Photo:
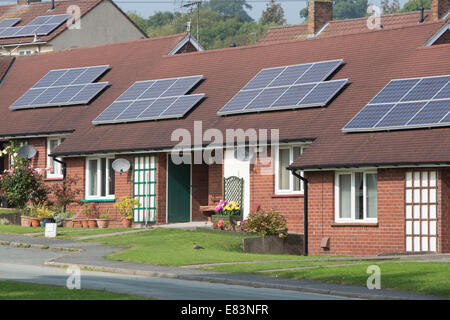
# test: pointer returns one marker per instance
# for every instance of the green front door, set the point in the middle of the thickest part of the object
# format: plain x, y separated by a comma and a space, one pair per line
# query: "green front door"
178, 192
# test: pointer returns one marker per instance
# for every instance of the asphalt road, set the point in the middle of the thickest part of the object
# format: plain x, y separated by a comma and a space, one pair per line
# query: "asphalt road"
25, 265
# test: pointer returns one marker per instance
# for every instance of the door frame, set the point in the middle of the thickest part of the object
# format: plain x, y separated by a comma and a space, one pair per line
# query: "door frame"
167, 188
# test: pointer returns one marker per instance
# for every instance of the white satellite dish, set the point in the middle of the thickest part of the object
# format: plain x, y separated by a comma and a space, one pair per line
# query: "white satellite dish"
121, 165
26, 152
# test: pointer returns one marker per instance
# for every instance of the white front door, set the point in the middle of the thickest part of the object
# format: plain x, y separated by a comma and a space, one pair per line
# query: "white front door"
241, 169
421, 211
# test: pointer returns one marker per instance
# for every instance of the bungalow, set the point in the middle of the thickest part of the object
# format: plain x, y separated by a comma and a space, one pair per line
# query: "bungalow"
372, 189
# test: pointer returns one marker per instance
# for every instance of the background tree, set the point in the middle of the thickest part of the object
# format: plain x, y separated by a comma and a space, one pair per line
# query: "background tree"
414, 5
274, 14
344, 9
230, 8
390, 6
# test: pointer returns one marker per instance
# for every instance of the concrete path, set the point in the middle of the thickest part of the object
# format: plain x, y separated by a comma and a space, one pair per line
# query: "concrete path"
92, 255
186, 225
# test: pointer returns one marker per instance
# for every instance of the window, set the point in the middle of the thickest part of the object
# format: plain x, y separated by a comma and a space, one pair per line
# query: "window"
25, 52
356, 196
100, 179
55, 167
285, 182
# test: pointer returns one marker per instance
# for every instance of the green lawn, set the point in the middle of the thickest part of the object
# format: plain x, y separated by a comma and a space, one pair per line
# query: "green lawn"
12, 290
69, 233
421, 277
5, 210
173, 247
19, 229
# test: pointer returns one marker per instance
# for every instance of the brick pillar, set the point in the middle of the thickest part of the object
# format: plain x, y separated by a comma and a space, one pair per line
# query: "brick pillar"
439, 8
319, 13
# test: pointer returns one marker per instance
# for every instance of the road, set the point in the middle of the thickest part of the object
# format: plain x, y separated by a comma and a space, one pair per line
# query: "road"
26, 265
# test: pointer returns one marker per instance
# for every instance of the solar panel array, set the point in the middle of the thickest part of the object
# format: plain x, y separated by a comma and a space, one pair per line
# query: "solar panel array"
405, 104
63, 87
40, 26
288, 87
153, 100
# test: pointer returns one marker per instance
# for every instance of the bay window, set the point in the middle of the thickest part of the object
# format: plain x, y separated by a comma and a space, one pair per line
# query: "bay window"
100, 178
285, 182
356, 196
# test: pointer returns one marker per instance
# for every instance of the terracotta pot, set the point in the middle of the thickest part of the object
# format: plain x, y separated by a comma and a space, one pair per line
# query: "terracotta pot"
76, 223
92, 223
68, 223
35, 222
85, 223
25, 221
127, 222
103, 223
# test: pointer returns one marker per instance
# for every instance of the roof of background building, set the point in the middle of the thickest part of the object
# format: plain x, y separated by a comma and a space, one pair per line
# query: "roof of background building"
371, 60
5, 63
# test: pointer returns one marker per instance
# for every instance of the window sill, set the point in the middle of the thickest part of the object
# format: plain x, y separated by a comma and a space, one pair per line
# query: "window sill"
355, 224
294, 195
54, 179
98, 200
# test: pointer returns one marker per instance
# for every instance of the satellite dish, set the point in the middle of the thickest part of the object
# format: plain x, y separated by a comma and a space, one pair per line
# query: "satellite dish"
121, 165
27, 152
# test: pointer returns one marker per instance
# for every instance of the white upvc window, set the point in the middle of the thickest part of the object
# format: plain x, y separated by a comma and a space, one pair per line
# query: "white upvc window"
285, 181
356, 196
54, 166
100, 179
25, 52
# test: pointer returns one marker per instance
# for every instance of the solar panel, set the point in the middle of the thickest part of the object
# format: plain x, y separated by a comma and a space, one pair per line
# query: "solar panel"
9, 22
153, 100
41, 26
288, 87
406, 104
63, 87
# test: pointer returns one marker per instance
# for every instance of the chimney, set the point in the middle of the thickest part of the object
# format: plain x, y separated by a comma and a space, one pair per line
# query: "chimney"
439, 8
26, 2
319, 13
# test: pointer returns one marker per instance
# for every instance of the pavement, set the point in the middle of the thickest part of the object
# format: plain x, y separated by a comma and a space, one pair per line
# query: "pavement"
92, 255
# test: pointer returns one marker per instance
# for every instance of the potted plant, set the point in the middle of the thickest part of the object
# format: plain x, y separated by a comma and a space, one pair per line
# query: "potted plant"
66, 219
126, 206
87, 207
45, 214
92, 215
25, 219
227, 211
76, 222
35, 221
103, 221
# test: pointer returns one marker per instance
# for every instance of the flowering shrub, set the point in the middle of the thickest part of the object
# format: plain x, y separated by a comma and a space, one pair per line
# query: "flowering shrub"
228, 208
230, 226
266, 223
126, 206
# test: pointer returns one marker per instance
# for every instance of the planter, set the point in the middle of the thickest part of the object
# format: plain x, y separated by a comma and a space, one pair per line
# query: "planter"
292, 244
68, 223
77, 223
47, 220
85, 223
35, 222
25, 221
226, 218
92, 223
127, 222
103, 223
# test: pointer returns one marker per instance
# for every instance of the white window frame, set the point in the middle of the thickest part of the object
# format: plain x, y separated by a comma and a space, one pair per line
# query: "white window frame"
25, 52
57, 166
292, 178
352, 218
99, 179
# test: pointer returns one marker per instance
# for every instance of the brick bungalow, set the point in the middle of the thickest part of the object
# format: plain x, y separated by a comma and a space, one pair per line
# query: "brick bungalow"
395, 165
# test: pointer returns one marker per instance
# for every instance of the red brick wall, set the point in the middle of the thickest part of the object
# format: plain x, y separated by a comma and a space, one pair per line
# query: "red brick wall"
444, 210
439, 8
319, 12
161, 187
445, 38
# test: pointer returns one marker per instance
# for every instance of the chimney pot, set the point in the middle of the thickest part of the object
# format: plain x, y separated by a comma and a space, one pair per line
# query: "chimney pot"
319, 13
439, 8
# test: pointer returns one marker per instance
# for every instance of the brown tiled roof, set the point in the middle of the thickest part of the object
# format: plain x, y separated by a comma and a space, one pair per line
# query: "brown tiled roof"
28, 13
347, 26
371, 60
5, 63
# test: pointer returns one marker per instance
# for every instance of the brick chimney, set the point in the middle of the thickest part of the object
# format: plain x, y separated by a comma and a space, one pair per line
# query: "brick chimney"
26, 2
439, 8
319, 13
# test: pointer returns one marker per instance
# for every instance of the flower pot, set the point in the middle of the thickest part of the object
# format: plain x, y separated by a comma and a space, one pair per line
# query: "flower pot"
103, 223
35, 222
68, 223
85, 223
25, 221
77, 223
127, 222
226, 218
92, 223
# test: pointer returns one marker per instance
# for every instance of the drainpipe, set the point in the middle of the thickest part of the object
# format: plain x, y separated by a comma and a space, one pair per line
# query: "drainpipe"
64, 167
305, 211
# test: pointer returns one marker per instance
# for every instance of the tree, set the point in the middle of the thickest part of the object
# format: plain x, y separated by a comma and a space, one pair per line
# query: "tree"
230, 8
414, 5
344, 9
138, 20
274, 14
390, 6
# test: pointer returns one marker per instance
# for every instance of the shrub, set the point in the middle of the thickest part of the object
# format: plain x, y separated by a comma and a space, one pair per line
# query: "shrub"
65, 193
266, 223
126, 206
